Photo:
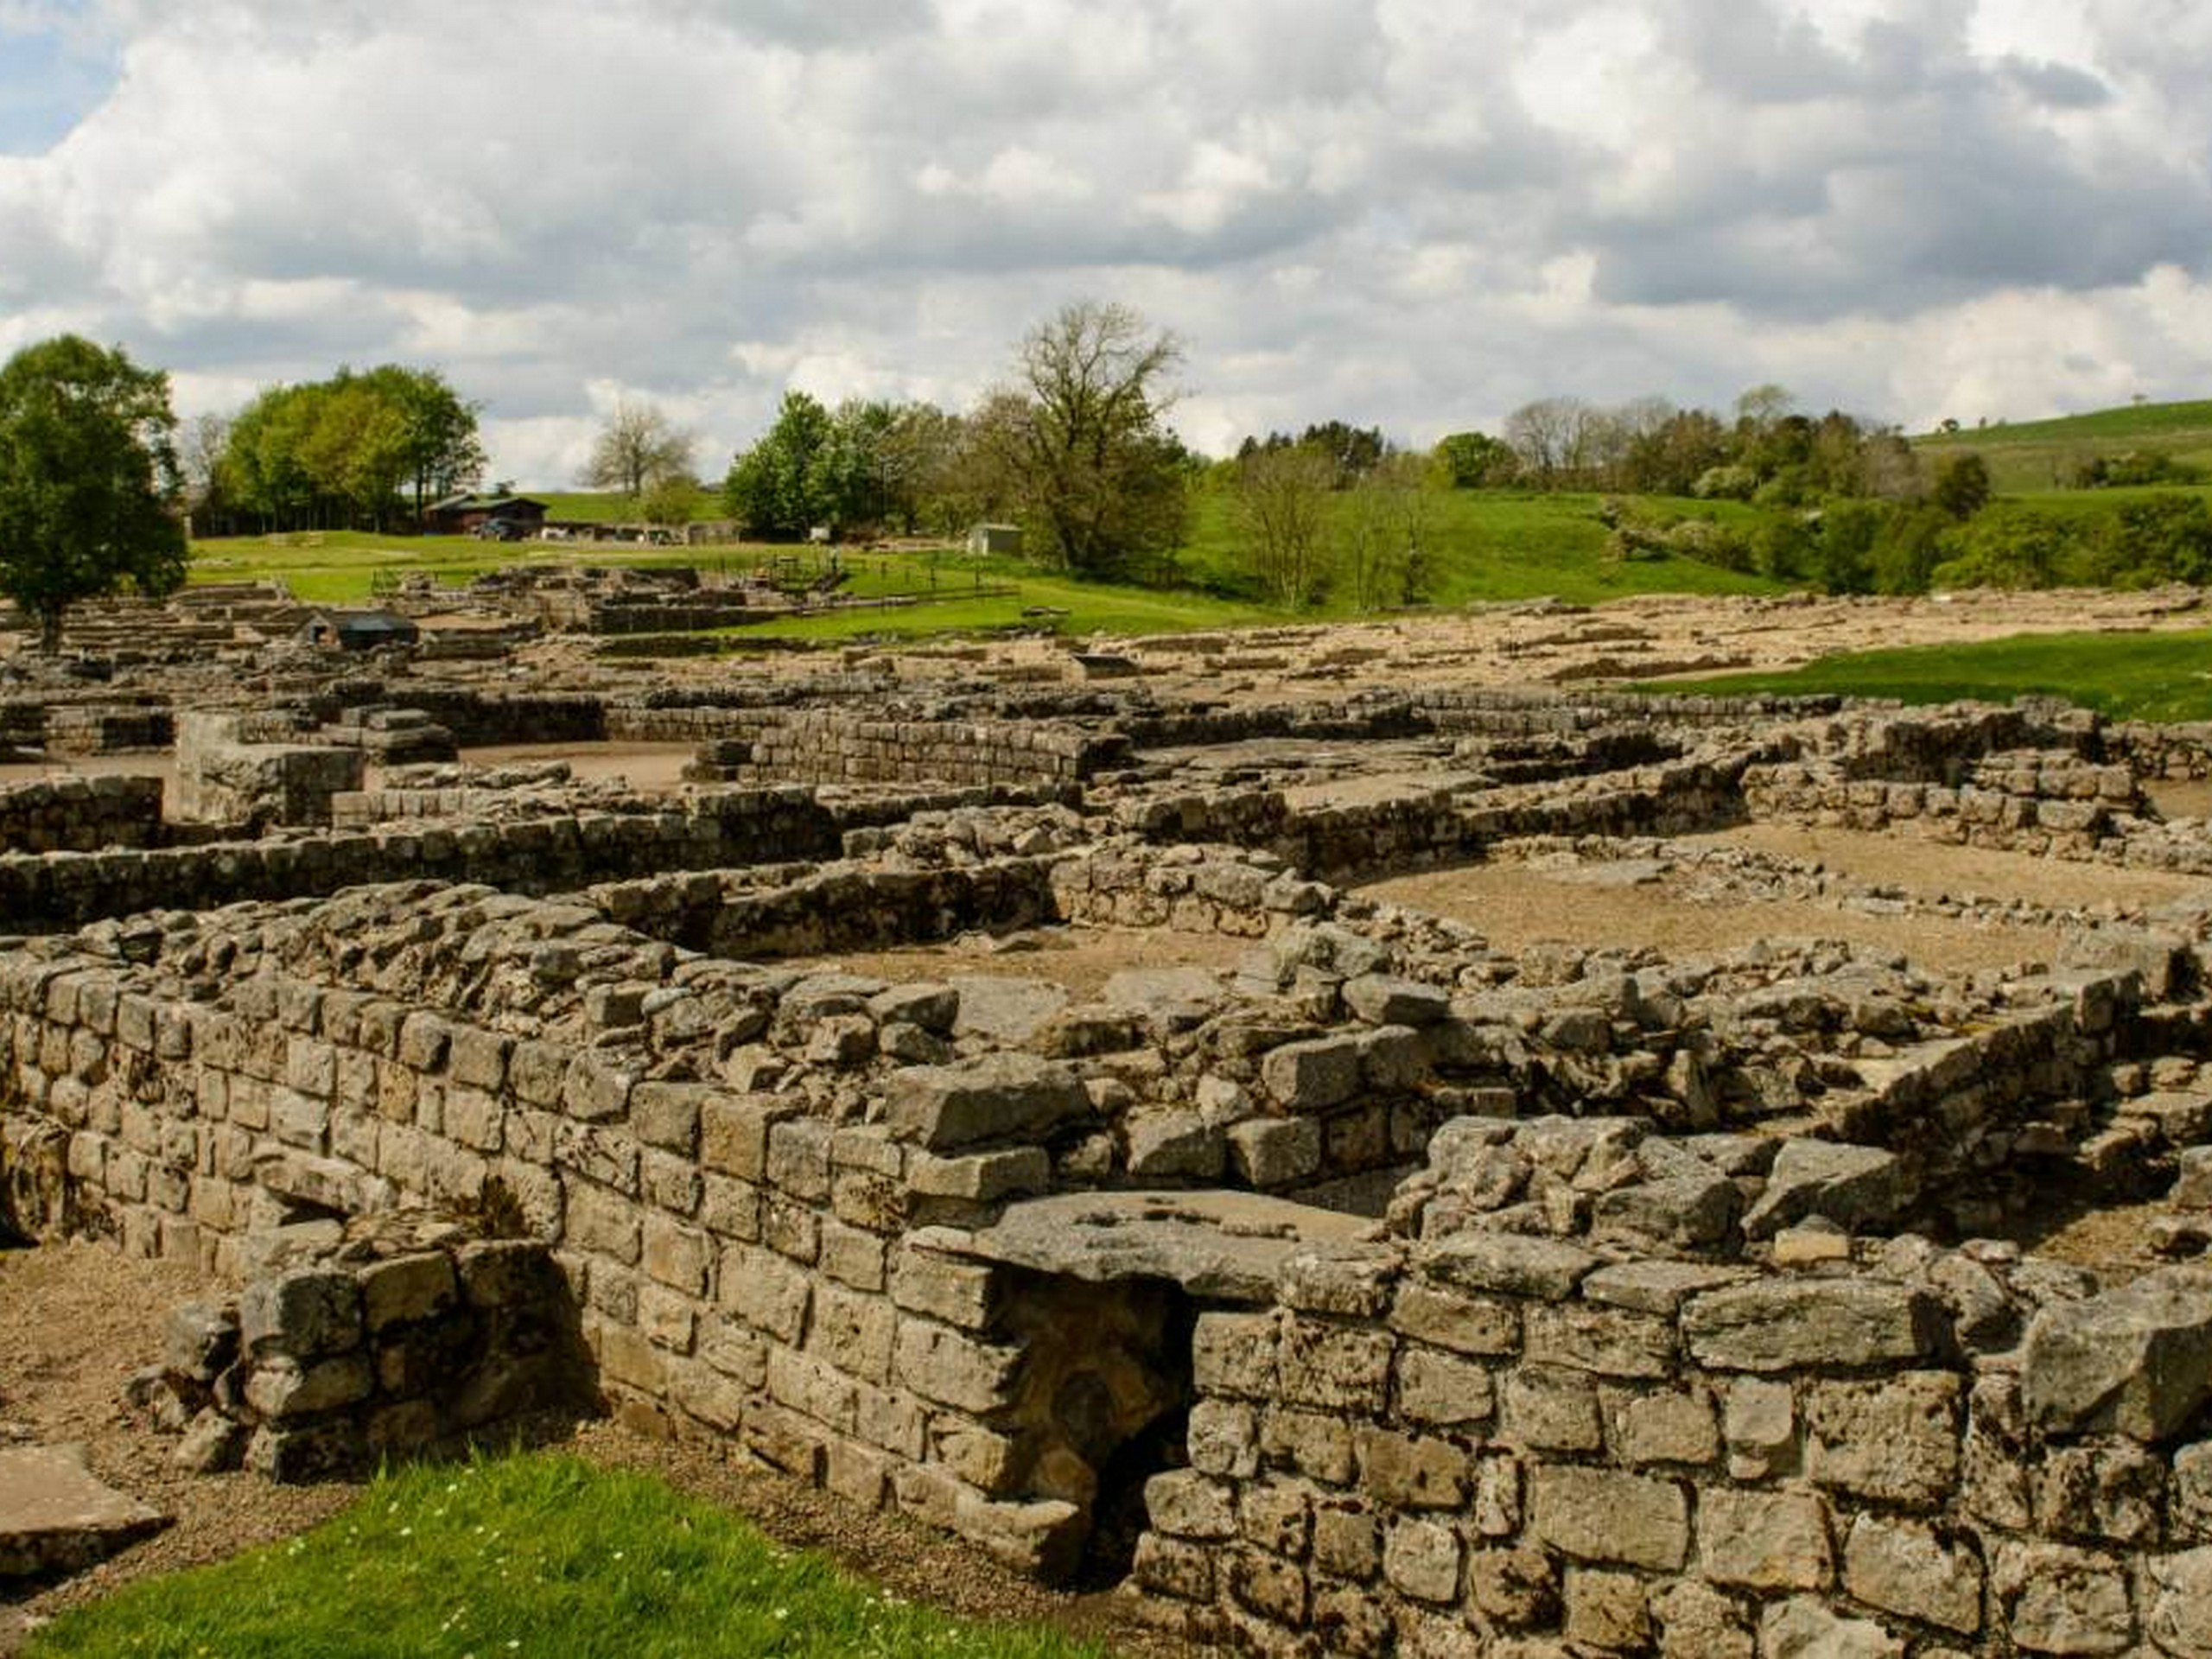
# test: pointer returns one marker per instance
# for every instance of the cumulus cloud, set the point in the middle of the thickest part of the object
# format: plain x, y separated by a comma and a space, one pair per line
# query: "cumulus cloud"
1413, 212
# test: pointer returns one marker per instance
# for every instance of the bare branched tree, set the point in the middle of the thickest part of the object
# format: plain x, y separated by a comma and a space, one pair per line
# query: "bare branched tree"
639, 446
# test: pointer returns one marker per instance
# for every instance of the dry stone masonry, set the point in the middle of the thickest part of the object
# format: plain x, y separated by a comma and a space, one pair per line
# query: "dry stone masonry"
998, 1100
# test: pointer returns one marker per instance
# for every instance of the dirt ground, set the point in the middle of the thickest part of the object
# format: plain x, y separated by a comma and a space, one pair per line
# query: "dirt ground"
1080, 960
1517, 904
80, 1318
650, 768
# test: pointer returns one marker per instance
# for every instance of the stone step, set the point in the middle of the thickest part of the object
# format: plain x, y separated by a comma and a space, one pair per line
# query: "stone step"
57, 1516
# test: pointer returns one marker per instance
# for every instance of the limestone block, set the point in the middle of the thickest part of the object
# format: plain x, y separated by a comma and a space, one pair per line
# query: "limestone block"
1782, 1325
1442, 1389
1598, 1514
2058, 1600
2179, 1616
1411, 1471
1763, 1541
1421, 1558
1908, 1568
1858, 1188
1516, 1589
1610, 1342
1671, 1426
1542, 1268
407, 1288
1698, 1622
2136, 1361
1275, 1152
1610, 1612
1895, 1441
1312, 1076
1002, 1096
304, 1314
1801, 1628
1386, 999
281, 1387
1468, 1324
1552, 1410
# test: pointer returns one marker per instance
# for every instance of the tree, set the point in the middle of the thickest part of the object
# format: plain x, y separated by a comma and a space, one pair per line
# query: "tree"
1961, 485
668, 498
639, 446
780, 486
1476, 460
1082, 449
1282, 507
88, 473
352, 449
1546, 435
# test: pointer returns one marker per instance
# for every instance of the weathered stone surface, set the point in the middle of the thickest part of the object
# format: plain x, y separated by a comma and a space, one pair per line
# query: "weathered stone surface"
1542, 1268
1313, 1076
1907, 1568
57, 1516
2062, 1601
2136, 1361
1002, 1096
1855, 1187
1895, 1441
317, 1311
1802, 1628
1784, 1325
1224, 1246
2179, 1616
1596, 1514
1763, 1541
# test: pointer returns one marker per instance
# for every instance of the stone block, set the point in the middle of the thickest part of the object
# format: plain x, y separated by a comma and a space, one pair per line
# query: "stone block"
2062, 1600
1909, 1568
1443, 1389
1312, 1076
1411, 1471
407, 1288
1513, 1263
1895, 1442
2135, 1361
1598, 1514
1002, 1096
1858, 1188
1763, 1541
1421, 1558
1801, 1628
1785, 1325
304, 1314
1607, 1612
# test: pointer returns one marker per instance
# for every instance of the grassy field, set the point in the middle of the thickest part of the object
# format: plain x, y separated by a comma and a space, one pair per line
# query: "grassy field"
2129, 676
525, 1554
2040, 456
1487, 545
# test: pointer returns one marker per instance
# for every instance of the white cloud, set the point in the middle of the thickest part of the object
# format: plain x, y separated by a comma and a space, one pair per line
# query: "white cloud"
1410, 213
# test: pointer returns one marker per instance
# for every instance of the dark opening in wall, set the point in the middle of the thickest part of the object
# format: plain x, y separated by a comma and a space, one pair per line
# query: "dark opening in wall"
1102, 1407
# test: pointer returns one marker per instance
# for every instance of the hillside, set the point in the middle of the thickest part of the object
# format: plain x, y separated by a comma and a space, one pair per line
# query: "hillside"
2031, 456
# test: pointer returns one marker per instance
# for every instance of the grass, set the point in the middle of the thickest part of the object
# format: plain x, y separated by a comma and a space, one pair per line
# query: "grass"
2165, 676
535, 1553
1486, 546
2041, 456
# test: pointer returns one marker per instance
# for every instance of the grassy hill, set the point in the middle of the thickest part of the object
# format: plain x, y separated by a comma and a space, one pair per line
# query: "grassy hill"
1484, 546
2042, 456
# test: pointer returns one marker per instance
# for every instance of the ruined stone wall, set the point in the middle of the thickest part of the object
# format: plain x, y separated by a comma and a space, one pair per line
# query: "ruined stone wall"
1517, 1440
80, 814
744, 1266
825, 745
2043, 803
532, 854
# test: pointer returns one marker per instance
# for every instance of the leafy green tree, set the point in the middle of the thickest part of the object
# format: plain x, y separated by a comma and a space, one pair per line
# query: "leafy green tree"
88, 477
1476, 460
782, 485
352, 449
668, 498
1283, 498
1082, 447
1961, 485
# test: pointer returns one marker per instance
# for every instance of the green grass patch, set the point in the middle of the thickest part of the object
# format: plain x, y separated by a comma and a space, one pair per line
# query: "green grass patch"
536, 1553
2025, 456
2165, 676
610, 506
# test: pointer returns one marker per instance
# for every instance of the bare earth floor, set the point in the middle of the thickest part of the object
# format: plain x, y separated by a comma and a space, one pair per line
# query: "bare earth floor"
1516, 904
80, 1318
1078, 960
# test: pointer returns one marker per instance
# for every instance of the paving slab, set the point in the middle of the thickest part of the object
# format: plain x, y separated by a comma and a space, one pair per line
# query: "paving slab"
57, 1516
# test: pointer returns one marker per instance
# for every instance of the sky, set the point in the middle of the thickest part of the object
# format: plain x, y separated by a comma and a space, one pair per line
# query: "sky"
1415, 215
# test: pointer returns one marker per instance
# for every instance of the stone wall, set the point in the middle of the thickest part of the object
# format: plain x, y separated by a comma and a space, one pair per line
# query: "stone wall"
80, 814
825, 745
1499, 1443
